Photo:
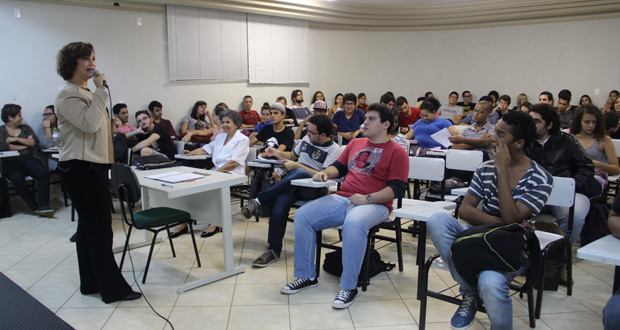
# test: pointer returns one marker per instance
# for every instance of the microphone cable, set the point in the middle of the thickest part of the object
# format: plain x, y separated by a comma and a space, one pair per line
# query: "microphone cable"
133, 269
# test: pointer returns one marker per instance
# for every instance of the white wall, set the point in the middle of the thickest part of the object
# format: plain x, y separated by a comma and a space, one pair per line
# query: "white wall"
580, 56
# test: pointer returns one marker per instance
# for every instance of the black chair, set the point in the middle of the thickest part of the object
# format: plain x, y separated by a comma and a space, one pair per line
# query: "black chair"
155, 220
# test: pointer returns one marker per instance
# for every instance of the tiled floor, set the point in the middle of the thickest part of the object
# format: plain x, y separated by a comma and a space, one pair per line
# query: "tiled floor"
36, 253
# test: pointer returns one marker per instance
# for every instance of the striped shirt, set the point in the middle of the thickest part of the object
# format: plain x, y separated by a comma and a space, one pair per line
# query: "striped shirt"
532, 190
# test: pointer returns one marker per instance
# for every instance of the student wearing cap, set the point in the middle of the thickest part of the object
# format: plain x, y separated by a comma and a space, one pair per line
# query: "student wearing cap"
319, 108
276, 135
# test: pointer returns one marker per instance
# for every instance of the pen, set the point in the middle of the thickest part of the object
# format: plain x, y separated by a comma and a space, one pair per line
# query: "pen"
167, 185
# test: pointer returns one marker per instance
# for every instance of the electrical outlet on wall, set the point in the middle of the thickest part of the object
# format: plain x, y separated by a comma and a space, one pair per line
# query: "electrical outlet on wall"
597, 91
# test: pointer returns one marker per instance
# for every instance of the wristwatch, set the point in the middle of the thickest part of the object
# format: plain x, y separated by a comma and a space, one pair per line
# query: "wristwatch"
368, 198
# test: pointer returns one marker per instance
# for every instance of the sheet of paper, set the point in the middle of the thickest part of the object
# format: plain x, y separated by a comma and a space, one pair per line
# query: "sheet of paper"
174, 177
442, 137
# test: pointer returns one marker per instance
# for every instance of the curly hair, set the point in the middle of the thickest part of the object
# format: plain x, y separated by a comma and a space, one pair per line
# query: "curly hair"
588, 109
66, 60
522, 126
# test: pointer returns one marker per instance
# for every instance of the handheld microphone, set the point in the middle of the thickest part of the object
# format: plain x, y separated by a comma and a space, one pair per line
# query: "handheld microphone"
105, 83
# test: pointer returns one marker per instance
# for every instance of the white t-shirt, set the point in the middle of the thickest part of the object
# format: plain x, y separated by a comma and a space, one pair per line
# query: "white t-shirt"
448, 112
236, 149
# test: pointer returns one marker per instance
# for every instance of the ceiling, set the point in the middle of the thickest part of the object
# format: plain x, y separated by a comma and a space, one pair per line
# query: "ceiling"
393, 14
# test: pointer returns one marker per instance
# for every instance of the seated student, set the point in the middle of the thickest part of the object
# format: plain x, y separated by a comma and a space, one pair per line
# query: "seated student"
388, 100
502, 108
45, 134
229, 150
466, 104
290, 114
375, 170
406, 115
477, 135
395, 135
319, 108
265, 116
431, 124
315, 152
611, 313
511, 188
276, 135
157, 110
250, 118
452, 112
194, 127
361, 102
561, 154
153, 139
525, 107
120, 143
589, 128
493, 118
349, 120
301, 112
337, 105
121, 112
20, 137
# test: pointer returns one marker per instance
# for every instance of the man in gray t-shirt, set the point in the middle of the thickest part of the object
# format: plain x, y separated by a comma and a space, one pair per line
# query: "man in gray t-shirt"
314, 153
451, 111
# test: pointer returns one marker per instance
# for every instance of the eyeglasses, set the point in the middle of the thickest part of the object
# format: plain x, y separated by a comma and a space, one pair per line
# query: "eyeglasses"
47, 114
312, 133
349, 103
467, 96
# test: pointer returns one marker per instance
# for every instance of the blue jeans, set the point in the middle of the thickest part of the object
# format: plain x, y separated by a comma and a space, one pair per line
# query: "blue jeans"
282, 196
611, 313
582, 207
333, 211
492, 286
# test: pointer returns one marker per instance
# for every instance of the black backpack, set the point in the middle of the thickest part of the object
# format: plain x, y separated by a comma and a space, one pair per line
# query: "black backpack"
595, 225
333, 264
498, 247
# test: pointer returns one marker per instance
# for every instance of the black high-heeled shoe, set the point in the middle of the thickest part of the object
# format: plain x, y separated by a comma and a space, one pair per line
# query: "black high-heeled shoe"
206, 234
182, 231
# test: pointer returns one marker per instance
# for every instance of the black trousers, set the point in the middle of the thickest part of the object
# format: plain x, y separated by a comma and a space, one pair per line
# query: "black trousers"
16, 170
87, 185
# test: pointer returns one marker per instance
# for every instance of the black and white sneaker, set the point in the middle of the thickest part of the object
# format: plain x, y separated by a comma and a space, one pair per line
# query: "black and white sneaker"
298, 285
249, 209
266, 259
344, 299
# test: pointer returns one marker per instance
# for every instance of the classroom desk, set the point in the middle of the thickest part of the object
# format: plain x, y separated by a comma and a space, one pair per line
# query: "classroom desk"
5, 199
206, 199
422, 211
605, 250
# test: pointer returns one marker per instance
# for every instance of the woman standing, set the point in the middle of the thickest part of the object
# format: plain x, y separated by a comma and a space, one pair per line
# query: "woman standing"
588, 127
85, 157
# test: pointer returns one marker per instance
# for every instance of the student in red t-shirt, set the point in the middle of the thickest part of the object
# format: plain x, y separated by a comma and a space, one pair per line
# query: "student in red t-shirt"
406, 115
249, 117
375, 170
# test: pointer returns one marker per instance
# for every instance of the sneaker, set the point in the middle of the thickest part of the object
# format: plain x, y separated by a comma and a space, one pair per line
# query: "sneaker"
464, 316
344, 299
44, 211
298, 285
266, 259
249, 209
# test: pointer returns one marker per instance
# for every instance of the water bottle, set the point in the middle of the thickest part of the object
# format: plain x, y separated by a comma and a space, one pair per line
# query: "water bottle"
55, 137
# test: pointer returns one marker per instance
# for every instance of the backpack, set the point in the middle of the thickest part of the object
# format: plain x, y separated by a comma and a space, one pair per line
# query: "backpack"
333, 265
498, 247
154, 162
595, 225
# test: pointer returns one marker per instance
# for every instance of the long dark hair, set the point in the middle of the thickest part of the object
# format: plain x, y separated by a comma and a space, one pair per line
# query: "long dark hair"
194, 113
588, 109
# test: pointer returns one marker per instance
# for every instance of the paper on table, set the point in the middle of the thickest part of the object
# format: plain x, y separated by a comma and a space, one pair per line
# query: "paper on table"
175, 177
442, 137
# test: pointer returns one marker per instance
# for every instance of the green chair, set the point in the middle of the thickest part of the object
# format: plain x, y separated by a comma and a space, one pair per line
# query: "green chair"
155, 220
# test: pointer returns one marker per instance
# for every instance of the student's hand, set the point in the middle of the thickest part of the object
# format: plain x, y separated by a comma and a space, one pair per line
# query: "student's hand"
272, 152
456, 139
501, 156
358, 199
185, 152
187, 137
46, 124
290, 165
11, 139
320, 176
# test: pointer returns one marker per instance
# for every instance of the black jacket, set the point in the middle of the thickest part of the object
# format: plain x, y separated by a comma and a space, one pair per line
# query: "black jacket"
563, 155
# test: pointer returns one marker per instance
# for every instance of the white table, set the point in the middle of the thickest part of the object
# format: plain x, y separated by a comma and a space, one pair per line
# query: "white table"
422, 211
605, 250
206, 199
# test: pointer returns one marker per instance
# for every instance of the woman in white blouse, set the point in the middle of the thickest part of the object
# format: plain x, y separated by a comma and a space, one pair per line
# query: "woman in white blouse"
229, 151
